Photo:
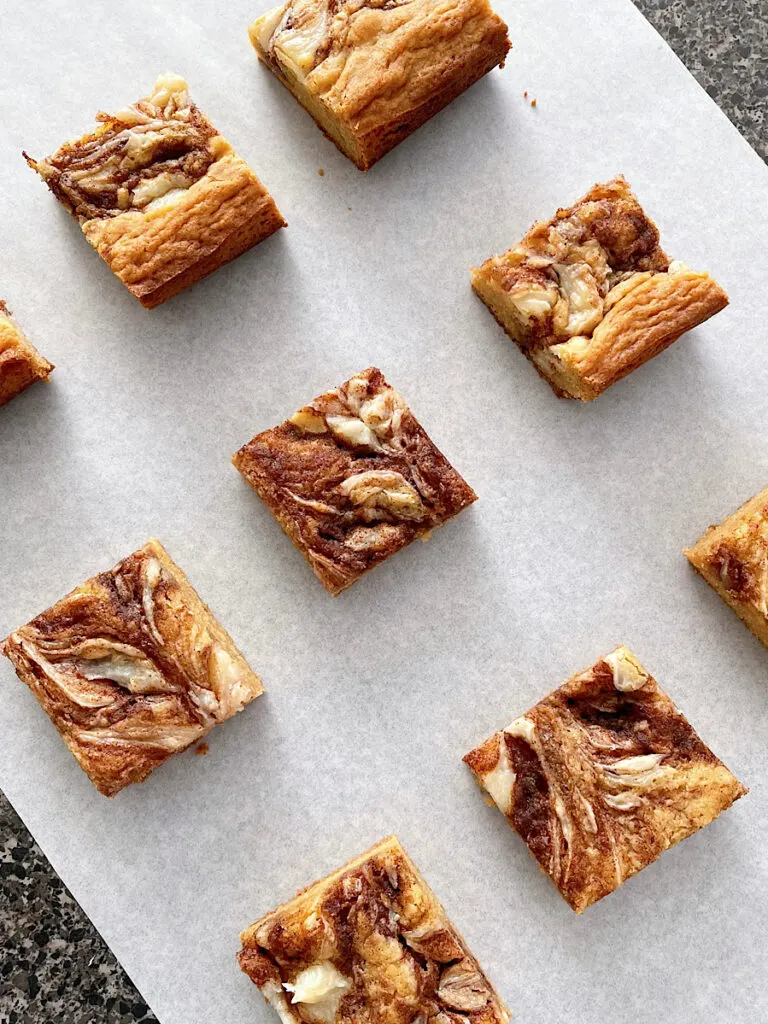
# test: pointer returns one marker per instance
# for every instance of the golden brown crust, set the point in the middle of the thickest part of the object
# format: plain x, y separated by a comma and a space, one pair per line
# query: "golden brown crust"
158, 255
602, 776
132, 667
369, 944
651, 317
372, 73
160, 195
352, 478
20, 362
449, 81
589, 296
733, 559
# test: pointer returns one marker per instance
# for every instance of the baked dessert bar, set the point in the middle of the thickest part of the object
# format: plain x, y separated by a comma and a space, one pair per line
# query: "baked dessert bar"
20, 362
733, 559
589, 295
159, 194
131, 667
370, 72
352, 478
602, 776
369, 943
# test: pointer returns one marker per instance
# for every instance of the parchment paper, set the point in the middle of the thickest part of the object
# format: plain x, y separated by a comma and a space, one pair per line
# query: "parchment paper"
574, 546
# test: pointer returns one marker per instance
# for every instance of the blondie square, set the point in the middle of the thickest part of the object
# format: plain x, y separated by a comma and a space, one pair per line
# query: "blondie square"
159, 194
131, 668
370, 72
602, 776
589, 295
20, 362
369, 944
733, 559
352, 478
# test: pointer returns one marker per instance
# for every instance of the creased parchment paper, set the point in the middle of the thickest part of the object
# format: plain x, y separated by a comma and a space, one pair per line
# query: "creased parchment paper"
574, 546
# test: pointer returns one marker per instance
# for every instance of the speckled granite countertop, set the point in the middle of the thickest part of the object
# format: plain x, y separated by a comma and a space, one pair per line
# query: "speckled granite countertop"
55, 967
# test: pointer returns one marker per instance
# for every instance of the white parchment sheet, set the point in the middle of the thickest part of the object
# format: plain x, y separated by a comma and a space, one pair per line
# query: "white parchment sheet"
574, 546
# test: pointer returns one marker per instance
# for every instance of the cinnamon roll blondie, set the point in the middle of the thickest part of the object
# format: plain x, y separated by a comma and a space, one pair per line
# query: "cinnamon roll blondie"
20, 362
131, 668
368, 943
370, 72
590, 295
733, 559
352, 478
159, 194
602, 776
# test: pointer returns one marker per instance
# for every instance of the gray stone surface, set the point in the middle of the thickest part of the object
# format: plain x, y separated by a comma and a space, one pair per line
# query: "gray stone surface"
725, 44
55, 966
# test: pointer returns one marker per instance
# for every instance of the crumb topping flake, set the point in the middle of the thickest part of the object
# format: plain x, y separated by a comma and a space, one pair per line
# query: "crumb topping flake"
144, 157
